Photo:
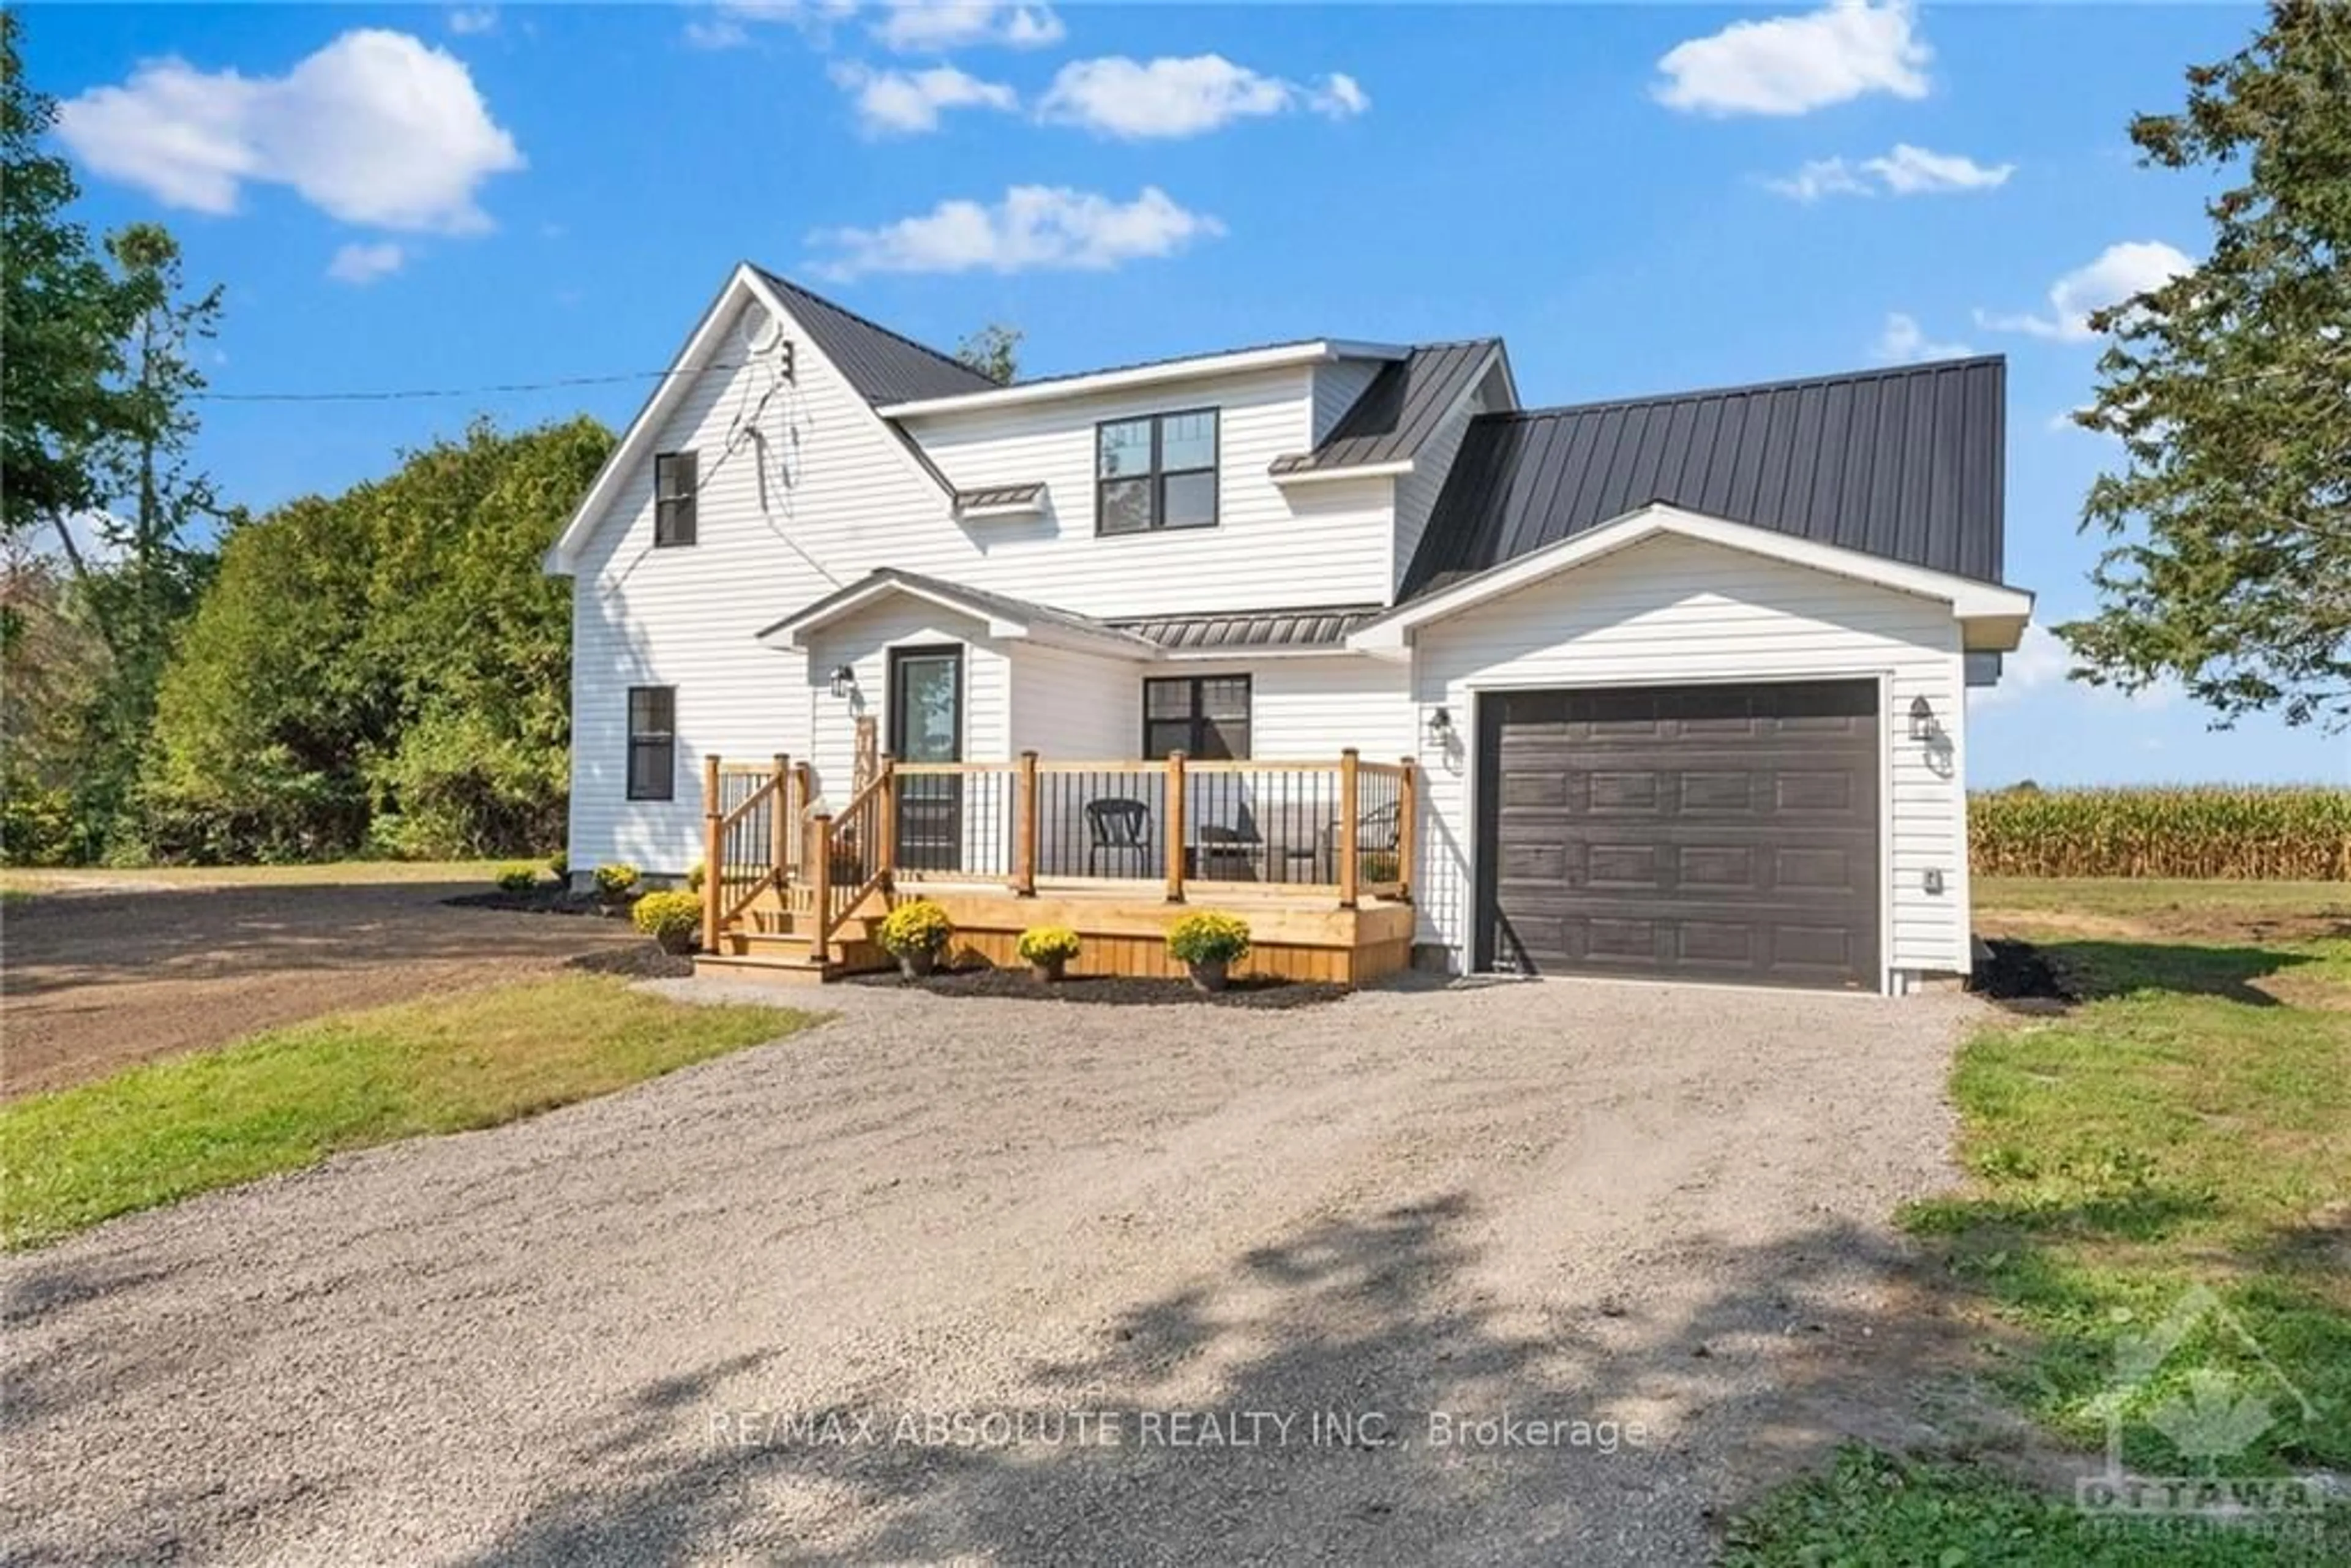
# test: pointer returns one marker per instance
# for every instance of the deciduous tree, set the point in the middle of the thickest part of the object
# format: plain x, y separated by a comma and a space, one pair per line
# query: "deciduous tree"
2231, 390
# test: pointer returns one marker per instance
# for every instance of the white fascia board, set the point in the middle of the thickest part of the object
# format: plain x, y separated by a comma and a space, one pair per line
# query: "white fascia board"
1396, 469
1971, 600
793, 634
1020, 394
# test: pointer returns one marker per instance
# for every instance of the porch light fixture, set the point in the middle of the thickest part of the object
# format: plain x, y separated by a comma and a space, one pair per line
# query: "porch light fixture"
1922, 719
845, 680
1440, 725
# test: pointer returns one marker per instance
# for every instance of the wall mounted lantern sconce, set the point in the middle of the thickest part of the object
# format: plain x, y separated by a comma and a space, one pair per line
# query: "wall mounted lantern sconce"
1923, 726
845, 680
1440, 725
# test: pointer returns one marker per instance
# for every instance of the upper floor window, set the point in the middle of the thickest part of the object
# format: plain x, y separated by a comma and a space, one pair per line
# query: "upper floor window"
653, 743
1156, 472
1203, 716
673, 493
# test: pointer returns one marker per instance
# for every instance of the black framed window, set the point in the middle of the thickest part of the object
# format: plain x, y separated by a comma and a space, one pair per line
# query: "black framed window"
674, 496
1156, 471
653, 743
1206, 717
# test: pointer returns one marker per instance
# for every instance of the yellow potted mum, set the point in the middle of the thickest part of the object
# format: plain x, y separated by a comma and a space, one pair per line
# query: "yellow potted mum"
1209, 944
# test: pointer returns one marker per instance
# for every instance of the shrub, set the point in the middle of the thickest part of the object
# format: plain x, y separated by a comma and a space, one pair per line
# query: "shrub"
559, 862
518, 878
669, 919
1208, 937
693, 878
917, 926
616, 880
1047, 945
1379, 865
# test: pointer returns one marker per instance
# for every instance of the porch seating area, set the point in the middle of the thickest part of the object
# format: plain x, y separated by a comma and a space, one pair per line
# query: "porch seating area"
1317, 855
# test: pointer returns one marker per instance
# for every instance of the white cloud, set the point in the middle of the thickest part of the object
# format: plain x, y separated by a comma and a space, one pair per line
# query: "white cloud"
1907, 171
935, 27
2120, 272
727, 24
1910, 171
2042, 664
364, 263
467, 20
1904, 342
375, 129
1792, 64
906, 103
1033, 228
1115, 96
1822, 177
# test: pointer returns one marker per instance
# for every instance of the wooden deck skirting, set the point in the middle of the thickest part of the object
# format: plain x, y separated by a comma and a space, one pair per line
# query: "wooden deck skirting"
798, 893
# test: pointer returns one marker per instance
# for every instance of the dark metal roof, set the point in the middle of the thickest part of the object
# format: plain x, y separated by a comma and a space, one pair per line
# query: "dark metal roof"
1000, 496
1320, 627
884, 366
1903, 463
982, 601
1399, 410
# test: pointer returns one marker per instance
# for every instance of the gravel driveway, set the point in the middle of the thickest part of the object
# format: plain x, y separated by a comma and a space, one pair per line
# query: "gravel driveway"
617, 1332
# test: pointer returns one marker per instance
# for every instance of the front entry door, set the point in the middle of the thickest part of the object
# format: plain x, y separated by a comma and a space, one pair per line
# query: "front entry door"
926, 725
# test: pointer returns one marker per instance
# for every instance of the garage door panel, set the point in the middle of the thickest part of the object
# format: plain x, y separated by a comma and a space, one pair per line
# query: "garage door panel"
1726, 833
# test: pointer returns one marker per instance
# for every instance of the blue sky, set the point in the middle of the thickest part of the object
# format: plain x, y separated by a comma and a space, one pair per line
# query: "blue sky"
1639, 199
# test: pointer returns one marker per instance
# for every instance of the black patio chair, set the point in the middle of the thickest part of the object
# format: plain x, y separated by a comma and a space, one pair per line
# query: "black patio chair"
1379, 831
1115, 827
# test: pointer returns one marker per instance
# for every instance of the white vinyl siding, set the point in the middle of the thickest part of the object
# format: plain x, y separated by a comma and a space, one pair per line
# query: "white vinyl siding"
1671, 610
836, 480
1337, 385
1417, 492
863, 642
1076, 707
1249, 561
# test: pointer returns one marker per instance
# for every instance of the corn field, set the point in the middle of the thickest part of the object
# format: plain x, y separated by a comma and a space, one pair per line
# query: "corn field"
2285, 833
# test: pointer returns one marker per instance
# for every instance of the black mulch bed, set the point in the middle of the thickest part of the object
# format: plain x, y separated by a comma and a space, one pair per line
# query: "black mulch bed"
2021, 977
642, 961
1120, 990
547, 898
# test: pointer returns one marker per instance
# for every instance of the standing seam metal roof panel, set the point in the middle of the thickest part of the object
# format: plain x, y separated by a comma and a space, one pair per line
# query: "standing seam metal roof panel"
884, 366
1903, 463
1398, 409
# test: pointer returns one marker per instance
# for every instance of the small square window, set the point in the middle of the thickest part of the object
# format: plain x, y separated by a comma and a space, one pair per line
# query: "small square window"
1203, 716
674, 499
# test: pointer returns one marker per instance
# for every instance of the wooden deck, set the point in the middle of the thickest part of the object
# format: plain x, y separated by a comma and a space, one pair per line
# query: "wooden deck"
796, 896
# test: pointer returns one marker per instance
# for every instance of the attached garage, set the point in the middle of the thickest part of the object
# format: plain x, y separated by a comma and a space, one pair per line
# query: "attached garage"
1708, 831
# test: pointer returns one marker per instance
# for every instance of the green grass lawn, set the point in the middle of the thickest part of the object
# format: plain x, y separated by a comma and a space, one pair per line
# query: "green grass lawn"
2189, 1126
159, 1132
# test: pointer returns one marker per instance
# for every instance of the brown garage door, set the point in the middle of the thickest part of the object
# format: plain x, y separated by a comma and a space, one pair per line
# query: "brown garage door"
1683, 832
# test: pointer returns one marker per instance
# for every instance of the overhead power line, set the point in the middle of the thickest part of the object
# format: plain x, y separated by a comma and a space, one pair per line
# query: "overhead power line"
406, 394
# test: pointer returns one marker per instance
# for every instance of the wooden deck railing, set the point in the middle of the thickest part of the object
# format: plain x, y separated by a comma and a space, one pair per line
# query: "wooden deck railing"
747, 815
1343, 827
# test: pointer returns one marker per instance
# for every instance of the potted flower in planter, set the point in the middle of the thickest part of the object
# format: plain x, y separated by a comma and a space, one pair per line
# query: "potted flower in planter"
616, 884
914, 933
1047, 949
1209, 944
672, 919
